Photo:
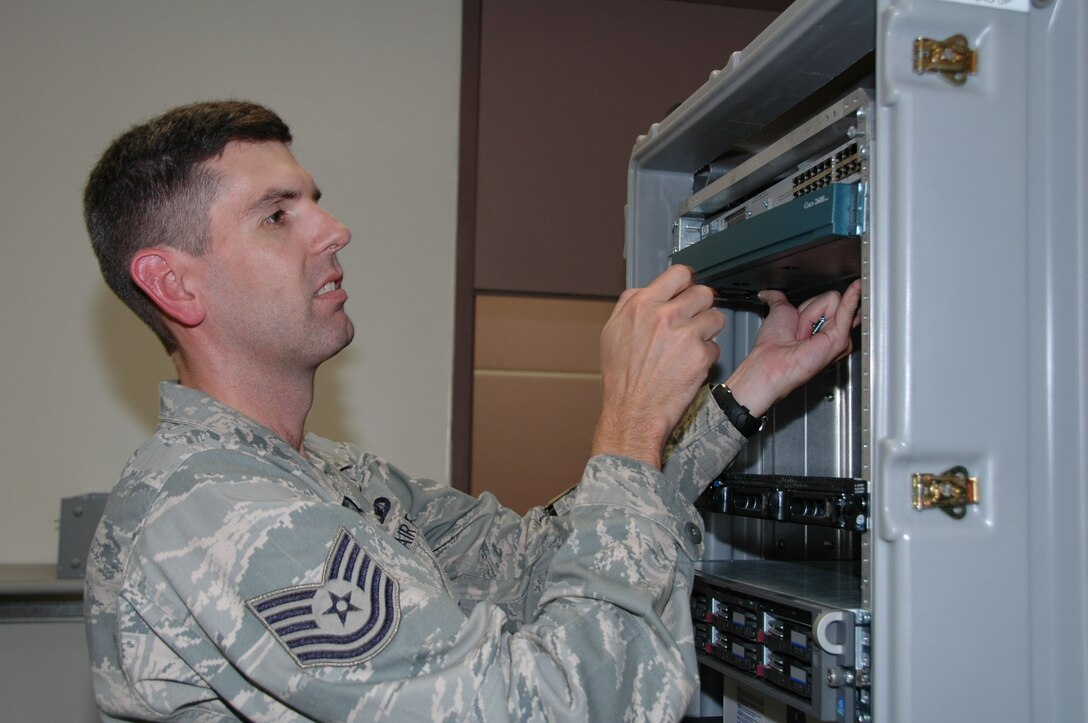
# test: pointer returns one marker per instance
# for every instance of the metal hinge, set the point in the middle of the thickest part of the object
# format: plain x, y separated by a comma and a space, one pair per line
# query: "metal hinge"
951, 491
952, 58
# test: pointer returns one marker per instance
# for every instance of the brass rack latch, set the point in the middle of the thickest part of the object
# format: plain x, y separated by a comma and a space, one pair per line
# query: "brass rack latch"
951, 491
952, 58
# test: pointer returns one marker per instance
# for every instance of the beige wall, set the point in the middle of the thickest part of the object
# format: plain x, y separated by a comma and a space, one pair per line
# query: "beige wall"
370, 88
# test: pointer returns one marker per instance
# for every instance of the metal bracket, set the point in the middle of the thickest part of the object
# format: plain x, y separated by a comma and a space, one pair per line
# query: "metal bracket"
952, 58
951, 491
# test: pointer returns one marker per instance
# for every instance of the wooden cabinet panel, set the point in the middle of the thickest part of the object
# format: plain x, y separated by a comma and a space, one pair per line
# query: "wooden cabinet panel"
565, 87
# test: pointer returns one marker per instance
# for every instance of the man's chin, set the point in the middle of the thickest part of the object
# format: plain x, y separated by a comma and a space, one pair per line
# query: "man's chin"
348, 337
333, 343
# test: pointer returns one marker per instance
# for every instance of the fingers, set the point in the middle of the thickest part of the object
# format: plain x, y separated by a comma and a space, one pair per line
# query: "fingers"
848, 312
710, 323
696, 302
773, 297
828, 312
675, 286
840, 314
667, 285
848, 316
671, 282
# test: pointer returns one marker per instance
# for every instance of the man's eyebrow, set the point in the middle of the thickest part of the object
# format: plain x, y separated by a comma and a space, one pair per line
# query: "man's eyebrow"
275, 195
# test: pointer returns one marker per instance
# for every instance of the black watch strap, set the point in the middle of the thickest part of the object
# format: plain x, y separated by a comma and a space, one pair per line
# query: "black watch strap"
736, 412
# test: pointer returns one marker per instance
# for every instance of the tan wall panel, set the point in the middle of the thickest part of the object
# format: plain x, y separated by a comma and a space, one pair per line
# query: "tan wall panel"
543, 334
531, 434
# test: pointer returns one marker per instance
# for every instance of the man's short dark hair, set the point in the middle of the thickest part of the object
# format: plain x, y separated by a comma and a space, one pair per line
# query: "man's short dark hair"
152, 187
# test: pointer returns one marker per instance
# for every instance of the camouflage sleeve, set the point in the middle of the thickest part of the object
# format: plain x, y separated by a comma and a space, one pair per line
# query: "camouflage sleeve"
702, 445
491, 553
487, 551
288, 606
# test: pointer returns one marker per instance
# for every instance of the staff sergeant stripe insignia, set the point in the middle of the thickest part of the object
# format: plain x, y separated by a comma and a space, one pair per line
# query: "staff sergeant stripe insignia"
346, 619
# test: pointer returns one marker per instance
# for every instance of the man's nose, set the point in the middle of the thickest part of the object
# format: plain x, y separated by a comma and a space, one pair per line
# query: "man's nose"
335, 235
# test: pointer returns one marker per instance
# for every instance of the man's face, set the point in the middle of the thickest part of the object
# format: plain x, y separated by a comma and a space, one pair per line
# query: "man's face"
271, 277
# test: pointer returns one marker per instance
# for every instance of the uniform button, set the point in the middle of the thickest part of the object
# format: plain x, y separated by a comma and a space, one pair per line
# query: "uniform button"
693, 533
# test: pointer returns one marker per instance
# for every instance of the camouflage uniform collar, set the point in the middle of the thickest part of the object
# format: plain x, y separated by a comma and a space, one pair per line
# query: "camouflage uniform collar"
190, 407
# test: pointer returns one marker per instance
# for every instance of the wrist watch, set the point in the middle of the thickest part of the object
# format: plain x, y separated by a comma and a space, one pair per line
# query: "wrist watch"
735, 412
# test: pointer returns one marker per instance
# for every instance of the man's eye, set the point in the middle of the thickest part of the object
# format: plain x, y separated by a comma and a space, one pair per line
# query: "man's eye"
275, 219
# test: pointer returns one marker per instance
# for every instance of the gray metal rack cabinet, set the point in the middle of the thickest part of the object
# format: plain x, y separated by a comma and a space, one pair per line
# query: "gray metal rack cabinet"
973, 348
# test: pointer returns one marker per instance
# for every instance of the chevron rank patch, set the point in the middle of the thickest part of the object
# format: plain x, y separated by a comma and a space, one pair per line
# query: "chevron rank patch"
346, 619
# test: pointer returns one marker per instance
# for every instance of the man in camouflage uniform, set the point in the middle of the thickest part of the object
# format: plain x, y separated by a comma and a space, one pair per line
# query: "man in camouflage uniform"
246, 570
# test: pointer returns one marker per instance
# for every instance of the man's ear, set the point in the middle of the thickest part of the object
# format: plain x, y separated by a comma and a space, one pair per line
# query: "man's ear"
163, 274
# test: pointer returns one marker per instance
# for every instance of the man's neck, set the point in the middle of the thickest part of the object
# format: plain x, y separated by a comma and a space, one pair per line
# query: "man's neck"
277, 401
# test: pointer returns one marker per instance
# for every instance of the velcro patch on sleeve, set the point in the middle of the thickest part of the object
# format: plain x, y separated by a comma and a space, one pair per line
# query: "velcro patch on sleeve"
346, 619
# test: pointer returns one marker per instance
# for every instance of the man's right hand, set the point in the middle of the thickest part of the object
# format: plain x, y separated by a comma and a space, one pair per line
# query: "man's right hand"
656, 351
